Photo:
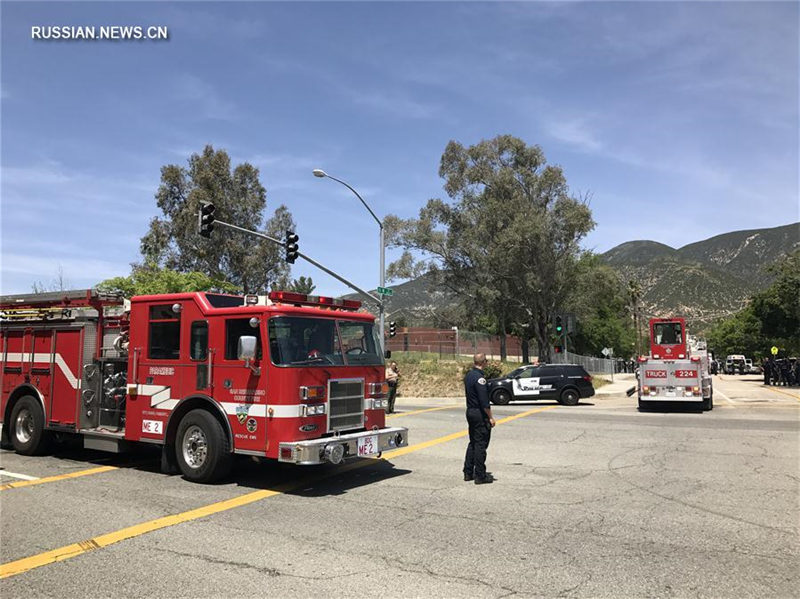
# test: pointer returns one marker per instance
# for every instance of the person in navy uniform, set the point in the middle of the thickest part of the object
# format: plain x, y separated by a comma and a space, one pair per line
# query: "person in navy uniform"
480, 420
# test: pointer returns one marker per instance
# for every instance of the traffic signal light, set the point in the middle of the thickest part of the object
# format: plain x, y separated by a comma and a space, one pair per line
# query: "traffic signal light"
559, 325
207, 219
290, 244
392, 329
557, 349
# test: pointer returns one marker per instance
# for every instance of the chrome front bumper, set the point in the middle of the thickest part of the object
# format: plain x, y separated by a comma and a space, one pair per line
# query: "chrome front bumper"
328, 449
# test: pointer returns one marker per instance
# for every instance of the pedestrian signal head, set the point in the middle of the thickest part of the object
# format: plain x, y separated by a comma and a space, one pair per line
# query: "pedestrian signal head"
207, 219
557, 349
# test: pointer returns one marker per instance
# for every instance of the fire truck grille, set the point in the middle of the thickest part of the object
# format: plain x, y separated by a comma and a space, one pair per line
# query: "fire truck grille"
346, 404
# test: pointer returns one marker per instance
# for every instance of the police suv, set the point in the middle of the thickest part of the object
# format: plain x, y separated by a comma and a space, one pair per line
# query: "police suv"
565, 383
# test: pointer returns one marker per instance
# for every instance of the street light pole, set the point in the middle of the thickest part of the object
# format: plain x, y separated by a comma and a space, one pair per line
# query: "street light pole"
381, 304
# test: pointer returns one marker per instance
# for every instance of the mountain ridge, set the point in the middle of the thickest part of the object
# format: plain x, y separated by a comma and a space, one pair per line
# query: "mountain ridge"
703, 280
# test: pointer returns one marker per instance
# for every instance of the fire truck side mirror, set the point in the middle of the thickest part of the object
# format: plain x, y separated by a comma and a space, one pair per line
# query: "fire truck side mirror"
247, 347
247, 351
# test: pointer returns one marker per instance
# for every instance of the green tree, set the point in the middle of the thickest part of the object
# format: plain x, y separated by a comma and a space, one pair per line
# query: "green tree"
599, 301
739, 334
173, 241
302, 285
772, 317
507, 242
150, 279
778, 306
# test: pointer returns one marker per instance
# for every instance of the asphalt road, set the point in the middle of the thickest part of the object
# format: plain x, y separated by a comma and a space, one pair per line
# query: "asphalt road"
596, 500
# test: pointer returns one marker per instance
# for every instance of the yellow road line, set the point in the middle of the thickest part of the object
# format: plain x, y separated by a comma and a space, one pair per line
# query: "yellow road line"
50, 479
420, 411
73, 550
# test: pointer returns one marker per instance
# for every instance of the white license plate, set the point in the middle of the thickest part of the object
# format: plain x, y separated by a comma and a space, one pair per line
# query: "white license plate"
368, 445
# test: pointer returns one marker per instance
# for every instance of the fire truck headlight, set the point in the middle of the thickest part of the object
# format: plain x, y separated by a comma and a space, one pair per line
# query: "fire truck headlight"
314, 410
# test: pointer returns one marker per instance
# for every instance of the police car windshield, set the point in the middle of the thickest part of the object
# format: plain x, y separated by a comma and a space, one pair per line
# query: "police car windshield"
300, 341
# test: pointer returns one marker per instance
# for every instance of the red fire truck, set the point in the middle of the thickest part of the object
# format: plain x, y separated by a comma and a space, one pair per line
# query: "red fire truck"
676, 370
292, 377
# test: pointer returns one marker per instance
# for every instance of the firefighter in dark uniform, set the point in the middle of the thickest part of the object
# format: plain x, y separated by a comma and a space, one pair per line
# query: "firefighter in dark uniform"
480, 420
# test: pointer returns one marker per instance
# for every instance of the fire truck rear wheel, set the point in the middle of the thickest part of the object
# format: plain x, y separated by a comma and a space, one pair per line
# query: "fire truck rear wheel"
202, 447
27, 427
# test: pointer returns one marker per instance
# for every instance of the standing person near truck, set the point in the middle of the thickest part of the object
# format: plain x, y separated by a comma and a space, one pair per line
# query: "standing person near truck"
392, 378
480, 421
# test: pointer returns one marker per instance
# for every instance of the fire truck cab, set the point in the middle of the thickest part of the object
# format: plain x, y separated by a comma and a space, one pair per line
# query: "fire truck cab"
677, 368
291, 377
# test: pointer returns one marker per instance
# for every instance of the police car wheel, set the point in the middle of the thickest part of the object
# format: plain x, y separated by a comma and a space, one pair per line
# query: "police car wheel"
569, 397
202, 447
27, 427
501, 397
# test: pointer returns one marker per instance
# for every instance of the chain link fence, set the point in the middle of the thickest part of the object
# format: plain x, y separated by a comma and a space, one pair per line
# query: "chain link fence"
592, 365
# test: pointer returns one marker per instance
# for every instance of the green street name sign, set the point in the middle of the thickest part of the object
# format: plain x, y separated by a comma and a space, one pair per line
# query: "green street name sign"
385, 291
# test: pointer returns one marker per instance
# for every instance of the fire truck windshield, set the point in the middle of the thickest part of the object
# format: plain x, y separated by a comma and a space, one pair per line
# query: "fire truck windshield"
668, 333
302, 341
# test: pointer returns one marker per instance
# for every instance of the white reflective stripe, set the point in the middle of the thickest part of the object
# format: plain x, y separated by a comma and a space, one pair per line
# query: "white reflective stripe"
258, 410
159, 395
38, 358
284, 411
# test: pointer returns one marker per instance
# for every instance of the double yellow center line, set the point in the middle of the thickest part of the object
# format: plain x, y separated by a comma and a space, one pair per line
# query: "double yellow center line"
75, 549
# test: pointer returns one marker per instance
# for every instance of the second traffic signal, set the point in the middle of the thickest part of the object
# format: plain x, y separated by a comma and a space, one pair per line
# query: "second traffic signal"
291, 246
559, 325
392, 329
207, 219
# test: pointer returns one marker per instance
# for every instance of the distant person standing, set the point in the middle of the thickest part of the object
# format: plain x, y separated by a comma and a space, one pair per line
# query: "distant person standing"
767, 366
480, 421
392, 378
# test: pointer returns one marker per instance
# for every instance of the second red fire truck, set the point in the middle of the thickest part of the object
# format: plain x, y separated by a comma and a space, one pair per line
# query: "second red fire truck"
291, 377
677, 370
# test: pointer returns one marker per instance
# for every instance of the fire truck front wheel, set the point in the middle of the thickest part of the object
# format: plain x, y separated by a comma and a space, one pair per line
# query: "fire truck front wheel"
202, 447
27, 427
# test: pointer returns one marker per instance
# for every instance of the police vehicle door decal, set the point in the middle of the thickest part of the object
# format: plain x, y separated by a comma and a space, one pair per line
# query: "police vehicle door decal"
526, 386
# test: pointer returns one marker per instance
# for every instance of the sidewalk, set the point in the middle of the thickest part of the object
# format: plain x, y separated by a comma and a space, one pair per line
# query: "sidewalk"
622, 382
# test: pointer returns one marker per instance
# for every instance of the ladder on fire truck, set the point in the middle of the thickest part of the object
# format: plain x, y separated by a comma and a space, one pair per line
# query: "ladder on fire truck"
56, 305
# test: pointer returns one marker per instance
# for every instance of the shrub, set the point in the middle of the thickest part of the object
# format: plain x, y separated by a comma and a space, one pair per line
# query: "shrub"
492, 370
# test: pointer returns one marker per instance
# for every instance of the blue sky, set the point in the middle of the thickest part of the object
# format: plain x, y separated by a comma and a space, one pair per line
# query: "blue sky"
678, 112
